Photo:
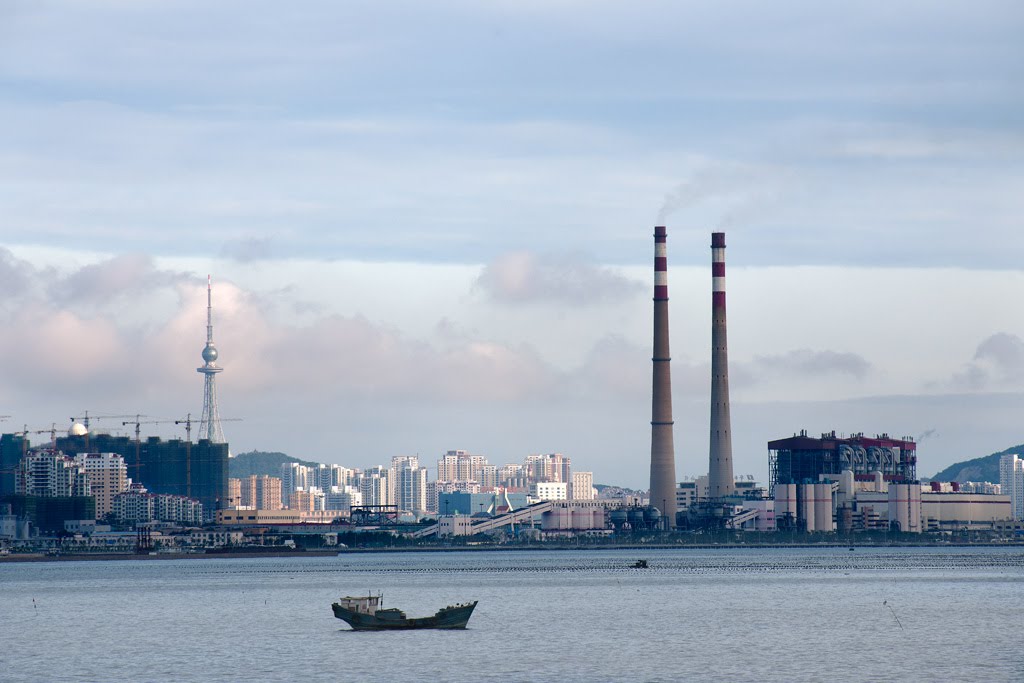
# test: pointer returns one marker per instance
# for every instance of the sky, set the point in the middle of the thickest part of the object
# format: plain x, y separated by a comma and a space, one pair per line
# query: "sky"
429, 225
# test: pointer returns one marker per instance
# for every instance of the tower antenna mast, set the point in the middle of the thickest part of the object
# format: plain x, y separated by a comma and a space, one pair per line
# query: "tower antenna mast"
209, 425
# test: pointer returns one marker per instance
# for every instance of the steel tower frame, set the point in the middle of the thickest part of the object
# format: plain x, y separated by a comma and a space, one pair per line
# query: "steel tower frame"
209, 425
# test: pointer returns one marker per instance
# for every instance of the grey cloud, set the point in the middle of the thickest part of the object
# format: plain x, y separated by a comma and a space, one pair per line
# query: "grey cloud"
15, 275
998, 360
809, 363
1005, 351
524, 277
122, 275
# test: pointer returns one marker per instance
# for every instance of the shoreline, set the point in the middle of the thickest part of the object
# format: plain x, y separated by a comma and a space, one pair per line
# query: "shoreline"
99, 557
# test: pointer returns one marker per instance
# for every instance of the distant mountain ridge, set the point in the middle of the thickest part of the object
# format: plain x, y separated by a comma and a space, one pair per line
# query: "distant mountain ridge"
261, 463
985, 468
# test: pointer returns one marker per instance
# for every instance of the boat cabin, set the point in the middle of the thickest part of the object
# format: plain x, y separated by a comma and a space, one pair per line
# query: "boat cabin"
364, 604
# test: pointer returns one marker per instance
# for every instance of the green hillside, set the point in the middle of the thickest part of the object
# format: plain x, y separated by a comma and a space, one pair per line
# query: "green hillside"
260, 463
985, 468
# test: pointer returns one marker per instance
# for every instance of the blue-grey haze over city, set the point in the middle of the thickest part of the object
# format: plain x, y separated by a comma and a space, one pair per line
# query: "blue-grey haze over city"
429, 225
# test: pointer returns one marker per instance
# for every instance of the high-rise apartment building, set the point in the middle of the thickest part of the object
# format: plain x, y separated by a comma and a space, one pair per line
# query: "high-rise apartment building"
138, 506
302, 500
410, 485
197, 470
549, 467
294, 477
234, 492
50, 473
460, 466
1011, 482
260, 492
342, 498
489, 478
549, 490
12, 448
108, 476
582, 486
377, 486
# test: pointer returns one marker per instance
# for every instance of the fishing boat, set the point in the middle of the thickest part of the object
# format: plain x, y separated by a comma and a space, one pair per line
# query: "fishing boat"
366, 613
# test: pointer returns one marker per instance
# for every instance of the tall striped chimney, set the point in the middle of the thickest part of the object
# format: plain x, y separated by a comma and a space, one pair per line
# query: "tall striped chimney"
663, 458
720, 478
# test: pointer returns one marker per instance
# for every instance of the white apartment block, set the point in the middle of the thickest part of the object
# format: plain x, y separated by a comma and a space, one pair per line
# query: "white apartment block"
51, 473
137, 506
489, 477
549, 490
1011, 482
108, 476
460, 466
377, 486
342, 498
410, 488
294, 477
400, 461
582, 486
549, 467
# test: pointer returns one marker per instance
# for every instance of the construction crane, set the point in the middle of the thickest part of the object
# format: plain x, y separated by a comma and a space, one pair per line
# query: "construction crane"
85, 422
188, 453
188, 448
138, 435
52, 431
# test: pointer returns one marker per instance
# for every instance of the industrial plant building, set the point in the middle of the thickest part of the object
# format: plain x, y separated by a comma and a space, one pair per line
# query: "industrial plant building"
802, 458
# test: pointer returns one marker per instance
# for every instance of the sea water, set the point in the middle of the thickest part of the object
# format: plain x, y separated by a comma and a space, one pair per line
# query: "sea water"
730, 614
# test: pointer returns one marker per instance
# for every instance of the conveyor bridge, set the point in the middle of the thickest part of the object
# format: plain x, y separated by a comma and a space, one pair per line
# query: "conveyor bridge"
521, 516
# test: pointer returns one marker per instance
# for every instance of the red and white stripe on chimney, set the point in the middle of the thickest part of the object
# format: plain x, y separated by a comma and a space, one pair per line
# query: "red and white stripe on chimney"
660, 263
718, 269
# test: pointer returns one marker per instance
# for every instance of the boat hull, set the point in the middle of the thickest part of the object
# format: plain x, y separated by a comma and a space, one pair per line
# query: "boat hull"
447, 618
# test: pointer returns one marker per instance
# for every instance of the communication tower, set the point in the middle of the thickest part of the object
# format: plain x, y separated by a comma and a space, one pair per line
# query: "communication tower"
209, 425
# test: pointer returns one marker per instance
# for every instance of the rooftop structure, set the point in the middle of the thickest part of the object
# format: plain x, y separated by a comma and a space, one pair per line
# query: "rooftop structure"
803, 459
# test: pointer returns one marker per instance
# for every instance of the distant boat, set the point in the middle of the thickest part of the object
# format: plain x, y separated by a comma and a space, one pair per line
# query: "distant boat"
640, 564
364, 613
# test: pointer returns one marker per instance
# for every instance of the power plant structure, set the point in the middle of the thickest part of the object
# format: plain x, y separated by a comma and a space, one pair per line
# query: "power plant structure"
209, 425
723, 505
663, 459
720, 475
802, 458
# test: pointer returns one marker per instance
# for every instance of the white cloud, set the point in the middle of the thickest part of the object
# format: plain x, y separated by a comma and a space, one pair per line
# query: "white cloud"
524, 277
344, 172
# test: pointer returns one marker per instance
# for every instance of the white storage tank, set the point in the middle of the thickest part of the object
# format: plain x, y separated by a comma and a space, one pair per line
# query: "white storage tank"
549, 520
915, 508
807, 503
905, 506
581, 518
785, 502
823, 507
846, 483
564, 519
899, 508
